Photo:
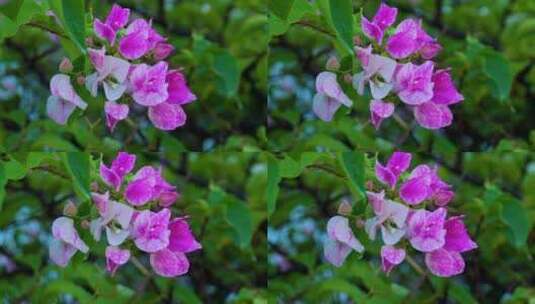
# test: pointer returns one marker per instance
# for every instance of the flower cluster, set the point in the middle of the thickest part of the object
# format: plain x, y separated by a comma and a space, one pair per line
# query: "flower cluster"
400, 63
441, 239
165, 239
122, 67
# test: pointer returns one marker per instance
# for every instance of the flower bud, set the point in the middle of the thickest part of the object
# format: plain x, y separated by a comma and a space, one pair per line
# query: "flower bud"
344, 208
369, 185
85, 224
162, 50
332, 64
357, 40
70, 209
89, 41
65, 66
80, 80
360, 223
348, 78
94, 187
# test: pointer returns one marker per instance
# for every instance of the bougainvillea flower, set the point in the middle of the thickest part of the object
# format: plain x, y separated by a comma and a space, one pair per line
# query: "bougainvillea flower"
444, 263
390, 216
424, 183
114, 113
433, 116
120, 166
457, 238
66, 241
384, 18
163, 192
116, 257
135, 43
391, 257
410, 38
380, 110
413, 83
168, 263
162, 51
177, 89
444, 91
167, 117
111, 72
398, 163
148, 184
150, 230
149, 84
340, 241
374, 65
117, 19
64, 99
426, 230
329, 96
115, 218
181, 238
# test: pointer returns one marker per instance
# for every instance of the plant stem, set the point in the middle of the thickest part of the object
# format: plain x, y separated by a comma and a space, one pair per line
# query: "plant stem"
416, 266
140, 266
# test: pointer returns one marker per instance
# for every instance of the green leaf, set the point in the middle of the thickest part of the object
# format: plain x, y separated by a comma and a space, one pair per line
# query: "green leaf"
228, 72
342, 19
14, 170
182, 294
272, 185
281, 8
34, 159
240, 218
3, 182
289, 168
498, 70
354, 167
67, 287
461, 294
516, 217
74, 18
78, 165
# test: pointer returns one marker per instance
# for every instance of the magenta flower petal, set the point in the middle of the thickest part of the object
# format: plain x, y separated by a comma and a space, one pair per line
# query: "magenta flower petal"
149, 84
391, 257
385, 175
162, 51
415, 190
429, 50
371, 30
433, 116
338, 229
403, 42
110, 177
327, 84
457, 238
60, 86
444, 91
380, 110
139, 192
104, 31
444, 263
123, 163
426, 229
414, 83
399, 162
102, 202
178, 90
377, 200
181, 238
114, 113
169, 264
150, 230
385, 16
167, 117
118, 17
116, 257
325, 107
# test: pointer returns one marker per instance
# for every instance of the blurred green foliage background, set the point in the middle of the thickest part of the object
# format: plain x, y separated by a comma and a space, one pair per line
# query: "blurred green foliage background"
222, 193
220, 44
